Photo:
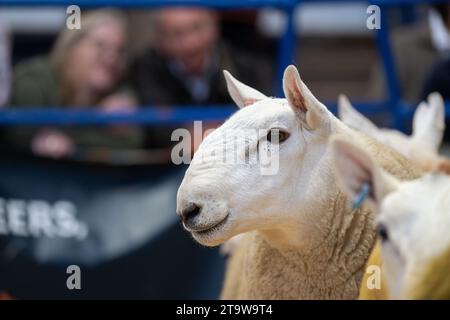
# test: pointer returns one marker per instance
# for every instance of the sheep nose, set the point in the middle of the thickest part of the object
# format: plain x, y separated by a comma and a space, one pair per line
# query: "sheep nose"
189, 213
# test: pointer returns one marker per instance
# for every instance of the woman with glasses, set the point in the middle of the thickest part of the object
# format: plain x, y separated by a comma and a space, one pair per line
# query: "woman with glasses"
86, 68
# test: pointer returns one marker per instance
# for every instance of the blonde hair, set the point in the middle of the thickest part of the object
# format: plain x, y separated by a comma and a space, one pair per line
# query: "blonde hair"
68, 38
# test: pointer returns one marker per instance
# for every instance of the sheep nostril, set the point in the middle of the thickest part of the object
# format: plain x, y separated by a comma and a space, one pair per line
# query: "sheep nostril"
190, 212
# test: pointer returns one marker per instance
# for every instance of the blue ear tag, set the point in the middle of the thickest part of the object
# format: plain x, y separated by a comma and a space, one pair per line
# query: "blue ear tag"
361, 196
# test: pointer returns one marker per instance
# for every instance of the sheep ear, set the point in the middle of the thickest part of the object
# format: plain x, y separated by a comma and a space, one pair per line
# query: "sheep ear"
353, 168
429, 122
351, 117
241, 94
311, 112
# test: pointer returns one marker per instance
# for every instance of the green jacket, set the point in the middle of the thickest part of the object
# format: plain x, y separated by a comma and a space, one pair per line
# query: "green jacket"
35, 84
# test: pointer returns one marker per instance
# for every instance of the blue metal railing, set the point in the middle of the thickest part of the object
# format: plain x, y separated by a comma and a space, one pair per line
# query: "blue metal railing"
223, 4
286, 51
152, 115
145, 115
219, 4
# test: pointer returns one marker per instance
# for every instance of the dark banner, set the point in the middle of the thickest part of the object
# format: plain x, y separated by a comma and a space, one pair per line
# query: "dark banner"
113, 227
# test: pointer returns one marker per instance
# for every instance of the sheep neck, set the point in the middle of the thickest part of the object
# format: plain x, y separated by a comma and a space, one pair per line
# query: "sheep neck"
331, 266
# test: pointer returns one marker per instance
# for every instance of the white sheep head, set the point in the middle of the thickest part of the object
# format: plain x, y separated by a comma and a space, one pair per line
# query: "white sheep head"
422, 146
413, 219
218, 200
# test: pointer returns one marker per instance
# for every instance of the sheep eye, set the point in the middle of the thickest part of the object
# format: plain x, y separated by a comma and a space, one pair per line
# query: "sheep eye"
273, 134
383, 232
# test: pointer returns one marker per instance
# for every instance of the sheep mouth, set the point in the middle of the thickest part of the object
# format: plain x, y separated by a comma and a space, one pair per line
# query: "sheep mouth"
211, 229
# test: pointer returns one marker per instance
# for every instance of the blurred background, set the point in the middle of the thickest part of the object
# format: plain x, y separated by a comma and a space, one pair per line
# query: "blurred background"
86, 116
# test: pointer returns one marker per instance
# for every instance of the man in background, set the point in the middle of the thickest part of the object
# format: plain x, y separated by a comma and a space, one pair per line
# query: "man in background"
185, 62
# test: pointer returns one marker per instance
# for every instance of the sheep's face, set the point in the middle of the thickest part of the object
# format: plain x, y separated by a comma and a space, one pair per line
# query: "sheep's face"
413, 217
413, 223
254, 171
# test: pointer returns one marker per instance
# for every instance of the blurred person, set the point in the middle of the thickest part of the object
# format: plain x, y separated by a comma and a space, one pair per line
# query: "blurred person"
184, 65
416, 50
85, 68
